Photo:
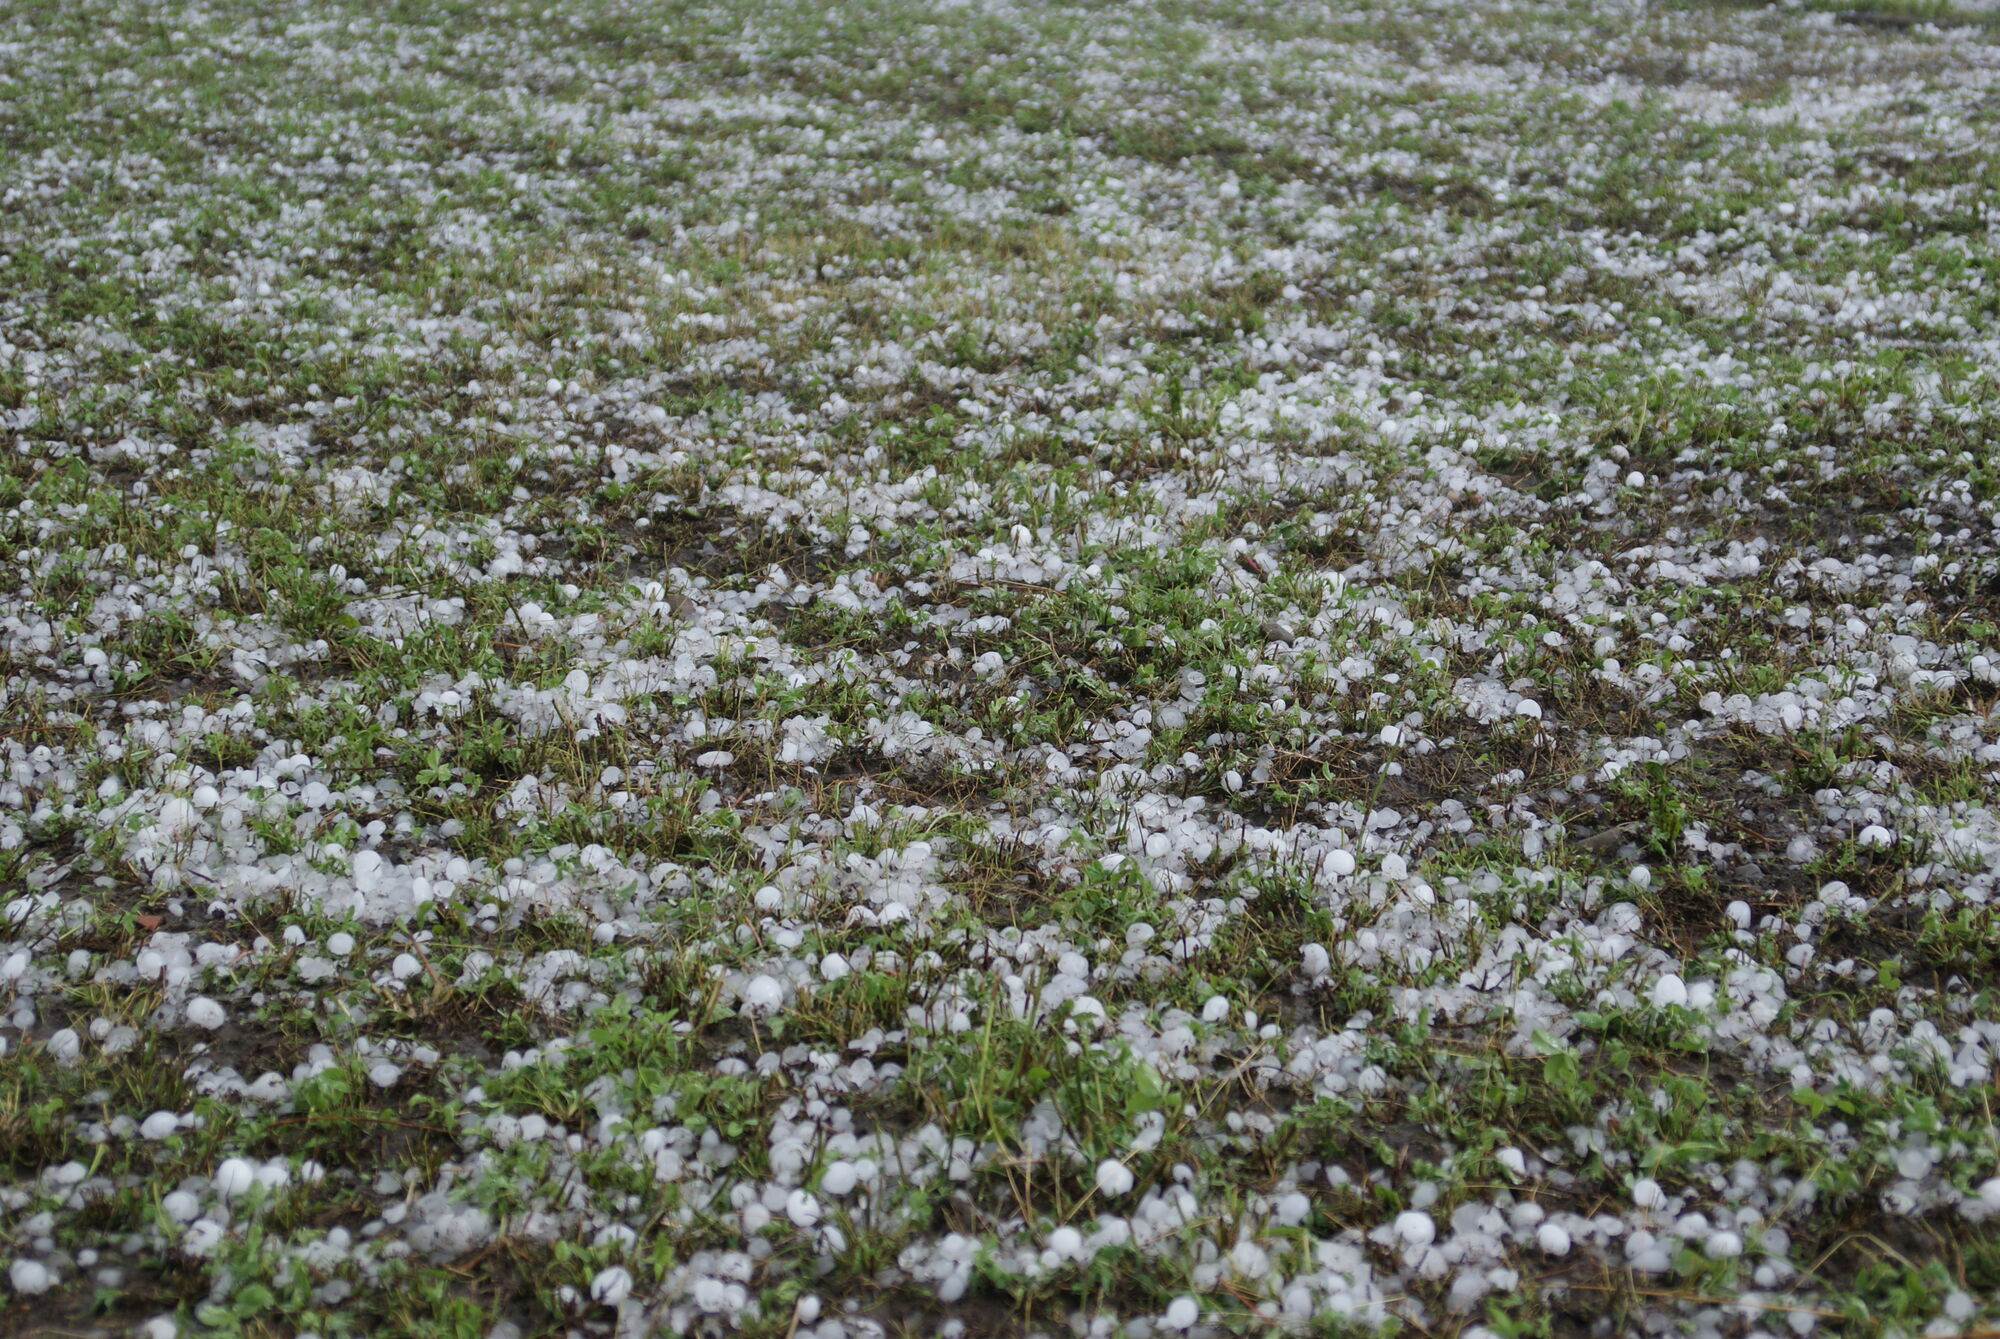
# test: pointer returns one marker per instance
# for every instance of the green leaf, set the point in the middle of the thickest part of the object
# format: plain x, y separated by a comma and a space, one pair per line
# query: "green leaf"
252, 1298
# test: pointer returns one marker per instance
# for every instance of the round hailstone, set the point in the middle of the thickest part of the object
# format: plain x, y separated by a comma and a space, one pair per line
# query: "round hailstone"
159, 1125
1528, 707
1114, 1178
1415, 1229
1876, 836
1723, 1246
340, 943
1512, 1159
30, 1278
1989, 1193
383, 1074
1181, 1314
234, 1177
833, 966
802, 1209
204, 1012
1669, 991
1215, 1010
1635, 480
1552, 1239
405, 966
159, 1327
1341, 863
611, 1286
1641, 877
839, 1179
763, 995
1647, 1194
1314, 958
1739, 915
1066, 1242
715, 758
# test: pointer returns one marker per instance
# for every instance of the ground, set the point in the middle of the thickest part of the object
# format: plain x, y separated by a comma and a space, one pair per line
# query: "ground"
1187, 667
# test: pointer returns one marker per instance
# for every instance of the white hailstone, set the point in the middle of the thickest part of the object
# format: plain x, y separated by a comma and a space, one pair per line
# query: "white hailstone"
1723, 1246
1215, 1010
1314, 959
1340, 863
1989, 1193
1636, 479
839, 1179
383, 1074
1669, 991
159, 1327
1875, 836
1392, 735
1512, 1159
611, 1286
204, 1012
715, 758
1528, 707
1739, 915
1415, 1229
1290, 1209
1114, 1178
233, 1177
202, 1237
1647, 1194
1066, 1242
802, 1208
405, 966
1181, 1314
763, 995
553, 386
159, 1125
1232, 781
30, 1278
340, 943
1641, 877
180, 1205
65, 1046
833, 966
1552, 1239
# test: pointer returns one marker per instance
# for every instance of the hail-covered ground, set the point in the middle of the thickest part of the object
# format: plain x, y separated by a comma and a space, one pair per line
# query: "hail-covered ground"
1163, 669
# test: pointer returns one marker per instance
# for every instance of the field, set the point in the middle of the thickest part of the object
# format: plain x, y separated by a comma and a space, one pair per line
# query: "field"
817, 670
